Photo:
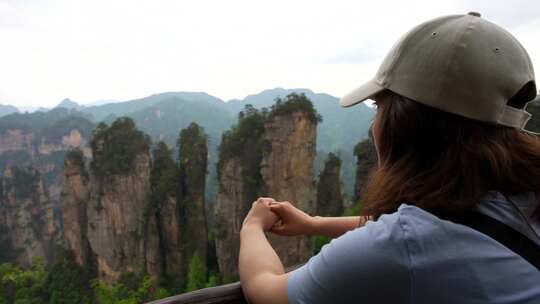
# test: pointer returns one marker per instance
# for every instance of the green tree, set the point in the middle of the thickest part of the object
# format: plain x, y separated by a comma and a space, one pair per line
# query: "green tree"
145, 290
23, 286
196, 274
67, 282
295, 102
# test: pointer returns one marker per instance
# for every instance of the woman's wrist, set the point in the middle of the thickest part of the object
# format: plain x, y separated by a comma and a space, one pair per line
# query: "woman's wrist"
252, 225
315, 225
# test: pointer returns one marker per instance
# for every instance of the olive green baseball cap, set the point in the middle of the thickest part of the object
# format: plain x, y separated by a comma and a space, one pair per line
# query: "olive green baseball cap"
462, 64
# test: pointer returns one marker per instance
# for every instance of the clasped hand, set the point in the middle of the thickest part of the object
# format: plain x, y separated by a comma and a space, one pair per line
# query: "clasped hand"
281, 218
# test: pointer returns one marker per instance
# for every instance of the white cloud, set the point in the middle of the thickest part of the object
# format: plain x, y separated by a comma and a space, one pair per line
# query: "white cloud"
89, 50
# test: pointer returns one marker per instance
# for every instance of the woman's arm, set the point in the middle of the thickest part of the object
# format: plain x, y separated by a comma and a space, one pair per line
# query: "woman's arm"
335, 226
261, 271
296, 222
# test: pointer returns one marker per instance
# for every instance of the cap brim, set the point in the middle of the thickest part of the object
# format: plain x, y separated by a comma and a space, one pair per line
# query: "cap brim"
361, 93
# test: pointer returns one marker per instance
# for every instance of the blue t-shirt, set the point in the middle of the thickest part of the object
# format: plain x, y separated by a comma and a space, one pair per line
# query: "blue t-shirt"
411, 256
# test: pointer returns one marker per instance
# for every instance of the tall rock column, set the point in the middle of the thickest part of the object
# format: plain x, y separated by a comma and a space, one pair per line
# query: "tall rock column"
240, 181
329, 194
366, 160
118, 219
193, 149
73, 200
165, 185
287, 167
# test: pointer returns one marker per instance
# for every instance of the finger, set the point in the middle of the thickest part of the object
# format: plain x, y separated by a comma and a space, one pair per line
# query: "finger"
277, 228
265, 200
277, 208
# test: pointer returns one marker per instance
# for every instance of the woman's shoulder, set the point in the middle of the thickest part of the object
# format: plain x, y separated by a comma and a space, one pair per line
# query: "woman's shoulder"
354, 265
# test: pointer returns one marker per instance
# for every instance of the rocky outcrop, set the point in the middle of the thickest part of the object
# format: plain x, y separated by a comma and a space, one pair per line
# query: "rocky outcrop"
29, 228
329, 191
191, 197
16, 140
115, 216
74, 199
71, 140
170, 231
107, 216
268, 153
40, 142
165, 185
231, 207
287, 172
366, 160
137, 214
240, 182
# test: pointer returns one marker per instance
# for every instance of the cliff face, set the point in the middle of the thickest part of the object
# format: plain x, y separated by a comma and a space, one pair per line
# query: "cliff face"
29, 228
115, 216
41, 147
170, 233
16, 140
28, 147
329, 192
287, 172
229, 213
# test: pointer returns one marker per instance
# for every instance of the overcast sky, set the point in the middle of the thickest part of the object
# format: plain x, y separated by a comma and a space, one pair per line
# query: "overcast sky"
125, 49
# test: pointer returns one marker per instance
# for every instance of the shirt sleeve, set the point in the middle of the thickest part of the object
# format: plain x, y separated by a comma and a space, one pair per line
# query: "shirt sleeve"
365, 265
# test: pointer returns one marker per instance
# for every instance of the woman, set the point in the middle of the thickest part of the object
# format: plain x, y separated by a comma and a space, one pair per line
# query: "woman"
450, 100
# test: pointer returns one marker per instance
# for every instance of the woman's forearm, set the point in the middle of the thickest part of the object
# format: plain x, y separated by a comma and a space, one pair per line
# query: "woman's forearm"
335, 226
257, 259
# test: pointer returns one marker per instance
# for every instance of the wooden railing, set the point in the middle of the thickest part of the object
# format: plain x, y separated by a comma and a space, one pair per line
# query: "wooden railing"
224, 294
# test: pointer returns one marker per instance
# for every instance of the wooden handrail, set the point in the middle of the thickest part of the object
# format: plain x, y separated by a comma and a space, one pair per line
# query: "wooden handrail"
224, 294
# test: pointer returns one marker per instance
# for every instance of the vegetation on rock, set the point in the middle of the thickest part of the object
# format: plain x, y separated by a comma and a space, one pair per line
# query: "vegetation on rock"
292, 103
116, 147
245, 141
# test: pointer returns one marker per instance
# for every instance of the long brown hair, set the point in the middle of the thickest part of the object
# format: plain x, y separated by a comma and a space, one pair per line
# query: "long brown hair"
438, 160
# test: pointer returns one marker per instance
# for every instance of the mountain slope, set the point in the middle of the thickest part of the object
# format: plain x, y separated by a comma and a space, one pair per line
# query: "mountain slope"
7, 109
128, 107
